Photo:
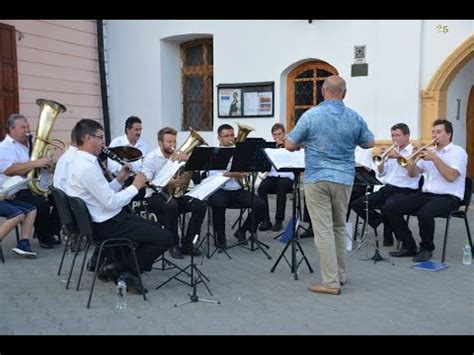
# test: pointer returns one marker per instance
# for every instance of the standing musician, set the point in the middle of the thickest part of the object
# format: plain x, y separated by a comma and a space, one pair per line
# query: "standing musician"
15, 160
105, 202
396, 178
167, 211
444, 168
276, 182
232, 192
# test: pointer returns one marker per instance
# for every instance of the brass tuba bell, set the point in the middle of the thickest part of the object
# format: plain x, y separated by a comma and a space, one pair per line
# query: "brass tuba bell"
242, 134
44, 146
187, 147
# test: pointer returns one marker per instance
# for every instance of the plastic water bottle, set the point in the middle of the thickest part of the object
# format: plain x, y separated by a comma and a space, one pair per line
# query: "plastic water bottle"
121, 290
467, 255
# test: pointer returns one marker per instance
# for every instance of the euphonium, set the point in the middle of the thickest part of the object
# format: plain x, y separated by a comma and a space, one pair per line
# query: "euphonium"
404, 161
380, 159
44, 146
242, 134
187, 147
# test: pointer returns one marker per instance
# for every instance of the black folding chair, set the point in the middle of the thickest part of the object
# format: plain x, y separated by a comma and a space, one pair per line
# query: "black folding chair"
84, 223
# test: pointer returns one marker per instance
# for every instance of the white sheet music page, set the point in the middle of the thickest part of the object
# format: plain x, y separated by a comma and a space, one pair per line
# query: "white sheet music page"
208, 186
168, 171
282, 158
13, 184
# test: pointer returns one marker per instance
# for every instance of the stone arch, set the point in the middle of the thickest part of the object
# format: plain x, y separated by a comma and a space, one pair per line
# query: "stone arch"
434, 97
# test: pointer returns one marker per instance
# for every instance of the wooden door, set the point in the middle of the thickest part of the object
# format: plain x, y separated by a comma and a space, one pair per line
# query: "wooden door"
470, 134
304, 89
8, 76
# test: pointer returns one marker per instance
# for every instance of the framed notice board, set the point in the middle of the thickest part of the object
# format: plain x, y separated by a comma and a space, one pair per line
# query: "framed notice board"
246, 100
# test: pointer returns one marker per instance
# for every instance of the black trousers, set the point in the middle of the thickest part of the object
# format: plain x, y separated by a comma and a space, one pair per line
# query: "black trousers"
222, 199
427, 206
47, 221
167, 214
375, 201
280, 187
151, 238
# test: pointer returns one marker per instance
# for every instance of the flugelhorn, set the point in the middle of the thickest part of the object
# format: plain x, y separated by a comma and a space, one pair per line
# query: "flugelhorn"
404, 161
380, 159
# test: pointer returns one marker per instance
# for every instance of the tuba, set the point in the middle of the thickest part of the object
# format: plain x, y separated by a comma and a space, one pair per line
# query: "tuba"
44, 146
242, 134
187, 147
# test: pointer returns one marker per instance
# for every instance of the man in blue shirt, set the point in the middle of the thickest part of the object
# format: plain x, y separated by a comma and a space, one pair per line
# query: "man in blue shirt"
330, 132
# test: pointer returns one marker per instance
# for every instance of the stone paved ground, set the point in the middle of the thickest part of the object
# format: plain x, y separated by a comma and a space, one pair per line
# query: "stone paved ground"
381, 298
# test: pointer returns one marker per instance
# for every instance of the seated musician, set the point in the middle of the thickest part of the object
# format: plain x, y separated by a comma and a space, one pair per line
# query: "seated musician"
397, 182
15, 160
105, 203
444, 168
232, 192
167, 211
276, 182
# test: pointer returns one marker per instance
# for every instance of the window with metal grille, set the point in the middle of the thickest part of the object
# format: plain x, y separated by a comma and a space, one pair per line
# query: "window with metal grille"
197, 80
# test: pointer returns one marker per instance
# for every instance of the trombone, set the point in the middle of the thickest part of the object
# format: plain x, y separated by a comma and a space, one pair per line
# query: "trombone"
404, 161
380, 159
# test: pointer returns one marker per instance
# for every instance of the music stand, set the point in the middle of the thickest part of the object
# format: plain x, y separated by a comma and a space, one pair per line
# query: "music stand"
365, 177
294, 241
209, 158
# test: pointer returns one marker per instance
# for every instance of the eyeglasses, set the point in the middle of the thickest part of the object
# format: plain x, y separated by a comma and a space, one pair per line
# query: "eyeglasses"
100, 137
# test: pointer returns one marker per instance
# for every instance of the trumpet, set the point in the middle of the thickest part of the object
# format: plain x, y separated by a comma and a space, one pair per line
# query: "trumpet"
404, 161
129, 166
380, 159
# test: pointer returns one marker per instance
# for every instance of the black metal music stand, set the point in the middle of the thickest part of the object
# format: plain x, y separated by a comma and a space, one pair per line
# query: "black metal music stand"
294, 240
197, 277
209, 158
366, 178
250, 157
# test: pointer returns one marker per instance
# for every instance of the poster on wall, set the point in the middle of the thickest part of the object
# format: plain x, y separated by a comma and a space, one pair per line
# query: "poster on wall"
245, 100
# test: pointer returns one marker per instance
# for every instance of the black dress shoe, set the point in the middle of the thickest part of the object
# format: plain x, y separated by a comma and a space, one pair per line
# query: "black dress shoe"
423, 255
133, 283
307, 234
190, 251
221, 243
46, 244
108, 272
240, 235
176, 253
277, 227
265, 226
403, 252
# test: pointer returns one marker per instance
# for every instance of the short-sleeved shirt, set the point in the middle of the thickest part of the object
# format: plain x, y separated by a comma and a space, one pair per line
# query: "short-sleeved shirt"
11, 152
330, 131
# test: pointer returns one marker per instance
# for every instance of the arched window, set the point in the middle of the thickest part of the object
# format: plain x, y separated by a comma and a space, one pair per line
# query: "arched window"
197, 80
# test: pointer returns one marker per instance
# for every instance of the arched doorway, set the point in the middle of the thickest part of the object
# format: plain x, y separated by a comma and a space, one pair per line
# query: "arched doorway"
304, 89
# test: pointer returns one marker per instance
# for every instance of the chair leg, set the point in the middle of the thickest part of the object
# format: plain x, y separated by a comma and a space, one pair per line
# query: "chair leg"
82, 266
73, 263
137, 267
66, 245
445, 238
468, 230
1, 253
96, 270
17, 233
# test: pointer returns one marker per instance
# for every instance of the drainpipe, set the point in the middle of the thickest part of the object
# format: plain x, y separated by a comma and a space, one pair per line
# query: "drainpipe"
103, 79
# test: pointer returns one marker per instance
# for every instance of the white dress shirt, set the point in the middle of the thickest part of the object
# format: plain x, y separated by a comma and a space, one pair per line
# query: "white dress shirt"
61, 171
396, 175
152, 165
11, 152
453, 156
123, 141
87, 181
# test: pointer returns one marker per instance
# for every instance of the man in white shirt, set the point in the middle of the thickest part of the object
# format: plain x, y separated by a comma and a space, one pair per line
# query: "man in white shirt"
396, 180
279, 183
61, 171
232, 192
15, 160
167, 211
105, 201
444, 168
131, 138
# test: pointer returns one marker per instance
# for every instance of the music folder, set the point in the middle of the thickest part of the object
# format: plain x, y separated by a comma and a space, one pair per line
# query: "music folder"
209, 158
249, 156
284, 160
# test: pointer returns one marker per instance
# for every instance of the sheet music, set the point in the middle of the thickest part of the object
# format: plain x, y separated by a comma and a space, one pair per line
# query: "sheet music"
13, 185
208, 186
168, 171
282, 158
